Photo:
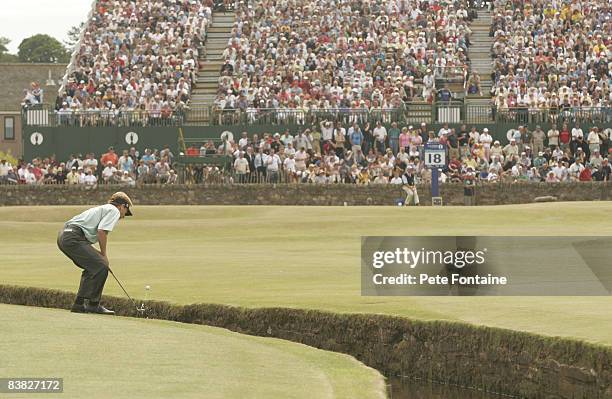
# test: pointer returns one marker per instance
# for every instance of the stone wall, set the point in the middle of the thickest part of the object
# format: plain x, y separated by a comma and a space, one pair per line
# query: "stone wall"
14, 77
452, 194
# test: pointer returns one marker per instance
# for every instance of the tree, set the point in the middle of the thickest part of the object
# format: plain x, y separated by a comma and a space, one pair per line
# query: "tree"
42, 48
9, 58
3, 43
74, 34
4, 54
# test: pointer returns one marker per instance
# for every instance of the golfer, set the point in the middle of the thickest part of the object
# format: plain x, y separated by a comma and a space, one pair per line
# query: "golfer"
76, 240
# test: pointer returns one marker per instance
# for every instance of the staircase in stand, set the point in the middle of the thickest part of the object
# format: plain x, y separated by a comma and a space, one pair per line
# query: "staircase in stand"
481, 63
211, 61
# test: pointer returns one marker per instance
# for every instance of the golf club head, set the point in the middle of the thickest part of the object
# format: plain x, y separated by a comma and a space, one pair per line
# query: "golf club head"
141, 310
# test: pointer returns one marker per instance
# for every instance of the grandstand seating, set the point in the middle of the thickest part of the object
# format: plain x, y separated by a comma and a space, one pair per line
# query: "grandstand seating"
552, 56
319, 54
137, 56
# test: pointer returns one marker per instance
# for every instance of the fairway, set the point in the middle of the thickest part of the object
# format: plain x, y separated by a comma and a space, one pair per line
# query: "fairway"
104, 357
302, 257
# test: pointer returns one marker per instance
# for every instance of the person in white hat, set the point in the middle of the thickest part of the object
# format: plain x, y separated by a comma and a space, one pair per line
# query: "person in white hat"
76, 242
538, 138
486, 140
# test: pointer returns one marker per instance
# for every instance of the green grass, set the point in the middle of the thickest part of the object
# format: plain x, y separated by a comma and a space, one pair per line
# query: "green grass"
302, 257
112, 357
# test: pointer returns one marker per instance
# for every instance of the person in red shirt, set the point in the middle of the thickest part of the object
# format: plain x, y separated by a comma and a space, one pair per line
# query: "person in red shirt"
109, 156
192, 151
37, 172
564, 137
586, 175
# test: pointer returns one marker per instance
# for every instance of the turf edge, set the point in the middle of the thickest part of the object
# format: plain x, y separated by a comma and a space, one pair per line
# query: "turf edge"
497, 360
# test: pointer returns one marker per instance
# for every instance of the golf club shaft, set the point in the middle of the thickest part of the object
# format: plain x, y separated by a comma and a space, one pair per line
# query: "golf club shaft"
120, 285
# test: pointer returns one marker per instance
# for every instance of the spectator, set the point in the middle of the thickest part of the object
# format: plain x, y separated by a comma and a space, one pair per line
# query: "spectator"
586, 174
72, 177
28, 175
409, 187
127, 180
553, 137
511, 149
109, 156
272, 163
90, 163
142, 171
126, 163
394, 134
241, 166
604, 172
593, 140
173, 178
162, 171
149, 157
538, 138
81, 174
261, 164
60, 175
12, 176
108, 172
90, 179
5, 167
380, 135
167, 153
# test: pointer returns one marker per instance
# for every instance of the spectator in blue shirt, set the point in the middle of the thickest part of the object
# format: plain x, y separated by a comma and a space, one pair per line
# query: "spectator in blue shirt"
148, 156
355, 137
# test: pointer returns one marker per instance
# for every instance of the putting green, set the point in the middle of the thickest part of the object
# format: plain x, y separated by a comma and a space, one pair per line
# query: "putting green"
302, 257
117, 357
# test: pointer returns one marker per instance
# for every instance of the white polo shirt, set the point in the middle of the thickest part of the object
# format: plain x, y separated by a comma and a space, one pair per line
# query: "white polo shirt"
103, 217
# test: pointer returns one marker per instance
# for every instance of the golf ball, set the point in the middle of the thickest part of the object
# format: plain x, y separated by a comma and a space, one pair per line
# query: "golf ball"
147, 287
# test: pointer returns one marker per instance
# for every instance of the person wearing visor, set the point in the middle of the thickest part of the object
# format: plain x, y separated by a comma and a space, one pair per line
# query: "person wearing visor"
76, 241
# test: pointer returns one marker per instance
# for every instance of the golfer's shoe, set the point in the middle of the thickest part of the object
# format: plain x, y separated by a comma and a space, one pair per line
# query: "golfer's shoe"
98, 310
76, 308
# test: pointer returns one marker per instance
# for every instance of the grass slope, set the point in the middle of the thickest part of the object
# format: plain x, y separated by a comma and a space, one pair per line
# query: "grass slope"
113, 357
304, 257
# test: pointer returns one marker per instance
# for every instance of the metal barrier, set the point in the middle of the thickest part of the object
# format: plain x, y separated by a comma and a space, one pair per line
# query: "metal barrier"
524, 115
479, 114
415, 113
44, 115
449, 112
198, 115
411, 113
262, 116
453, 112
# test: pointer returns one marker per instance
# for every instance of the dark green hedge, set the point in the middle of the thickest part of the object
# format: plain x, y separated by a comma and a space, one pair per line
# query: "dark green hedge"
510, 362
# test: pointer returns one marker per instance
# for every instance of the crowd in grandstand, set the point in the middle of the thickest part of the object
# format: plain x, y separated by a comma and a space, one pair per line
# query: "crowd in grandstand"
128, 169
552, 54
139, 56
321, 54
549, 57
333, 153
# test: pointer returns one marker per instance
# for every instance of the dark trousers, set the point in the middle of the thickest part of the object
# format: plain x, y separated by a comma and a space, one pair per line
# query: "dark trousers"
72, 242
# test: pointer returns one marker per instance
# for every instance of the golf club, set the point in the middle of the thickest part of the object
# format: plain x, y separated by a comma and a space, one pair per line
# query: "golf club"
138, 309
147, 289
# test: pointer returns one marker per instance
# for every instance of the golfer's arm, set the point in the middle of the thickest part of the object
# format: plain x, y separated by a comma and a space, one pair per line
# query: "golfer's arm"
102, 237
